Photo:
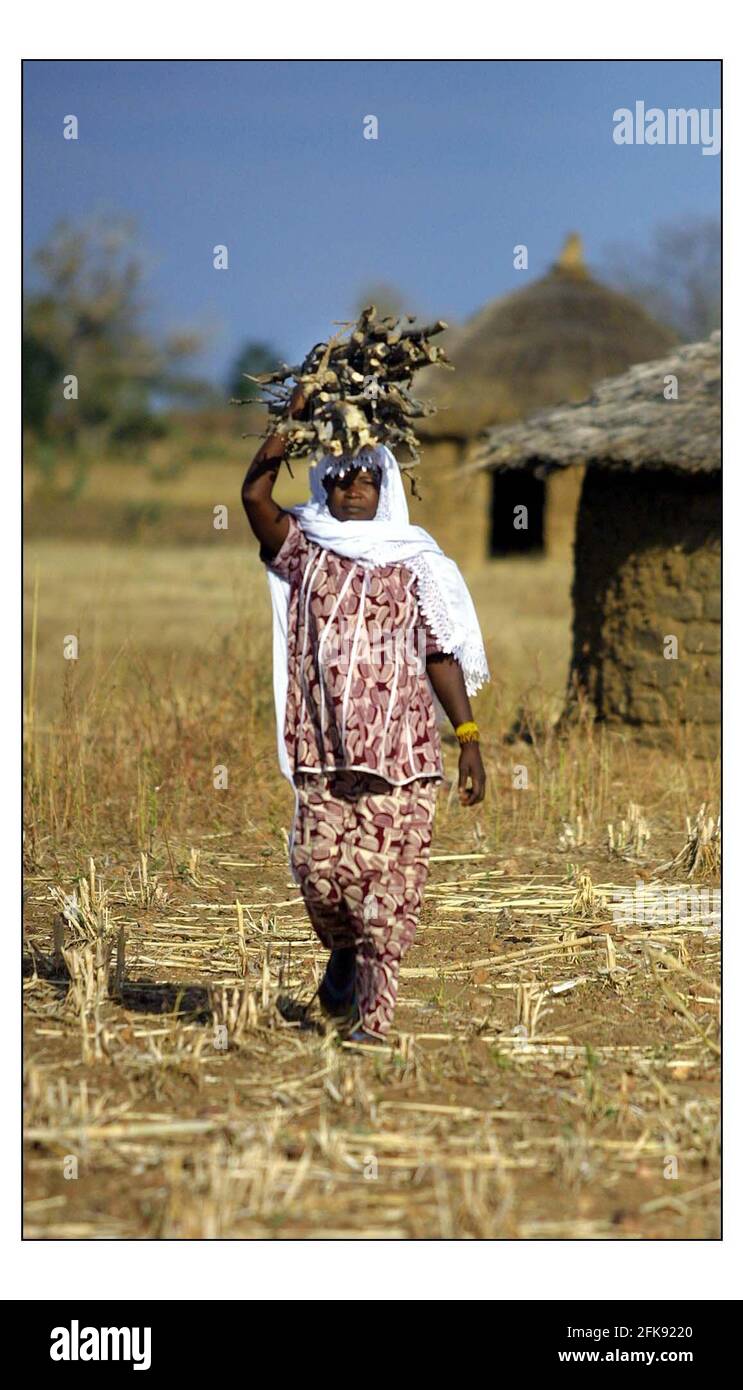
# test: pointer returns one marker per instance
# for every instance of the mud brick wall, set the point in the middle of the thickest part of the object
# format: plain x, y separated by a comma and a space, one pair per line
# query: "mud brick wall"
454, 508
457, 510
647, 567
563, 496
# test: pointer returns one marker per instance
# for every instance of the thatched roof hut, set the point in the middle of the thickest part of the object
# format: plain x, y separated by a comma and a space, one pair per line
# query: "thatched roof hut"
627, 423
546, 343
646, 587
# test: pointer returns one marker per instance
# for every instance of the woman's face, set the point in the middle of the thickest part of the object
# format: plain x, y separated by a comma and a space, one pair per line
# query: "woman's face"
354, 497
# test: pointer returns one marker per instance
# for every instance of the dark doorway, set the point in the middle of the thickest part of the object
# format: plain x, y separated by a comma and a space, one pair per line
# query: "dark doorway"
516, 513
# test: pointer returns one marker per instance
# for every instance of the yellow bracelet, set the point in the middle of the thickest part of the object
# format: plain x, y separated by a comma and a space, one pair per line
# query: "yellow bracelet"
468, 732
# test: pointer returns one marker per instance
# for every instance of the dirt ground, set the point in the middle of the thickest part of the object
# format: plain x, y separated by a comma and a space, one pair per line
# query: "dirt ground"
542, 1081
554, 1070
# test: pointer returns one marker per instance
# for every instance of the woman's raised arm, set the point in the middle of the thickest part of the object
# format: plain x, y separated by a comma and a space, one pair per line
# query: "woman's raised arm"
269, 522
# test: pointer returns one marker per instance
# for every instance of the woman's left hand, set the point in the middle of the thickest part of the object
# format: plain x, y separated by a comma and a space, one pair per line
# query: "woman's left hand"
471, 770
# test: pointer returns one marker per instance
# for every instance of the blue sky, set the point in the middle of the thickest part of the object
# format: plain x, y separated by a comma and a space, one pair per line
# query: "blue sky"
269, 158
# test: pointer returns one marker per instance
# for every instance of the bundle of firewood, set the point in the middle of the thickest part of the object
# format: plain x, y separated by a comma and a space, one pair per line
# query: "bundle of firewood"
357, 388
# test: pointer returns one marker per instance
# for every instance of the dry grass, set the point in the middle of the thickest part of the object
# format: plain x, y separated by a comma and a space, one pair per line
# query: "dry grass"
543, 1077
554, 1072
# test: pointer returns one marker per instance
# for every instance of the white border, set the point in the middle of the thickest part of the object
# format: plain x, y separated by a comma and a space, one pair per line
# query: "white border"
403, 1271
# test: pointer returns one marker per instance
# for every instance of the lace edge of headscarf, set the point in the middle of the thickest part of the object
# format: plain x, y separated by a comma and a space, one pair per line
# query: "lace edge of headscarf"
372, 456
467, 647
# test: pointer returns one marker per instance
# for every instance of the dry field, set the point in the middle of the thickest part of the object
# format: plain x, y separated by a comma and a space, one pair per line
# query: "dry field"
555, 1070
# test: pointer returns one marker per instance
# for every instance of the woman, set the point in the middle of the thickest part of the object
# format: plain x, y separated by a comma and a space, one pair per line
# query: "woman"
371, 621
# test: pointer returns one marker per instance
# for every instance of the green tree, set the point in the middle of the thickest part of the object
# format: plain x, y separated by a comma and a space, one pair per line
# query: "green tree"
41, 372
253, 358
86, 318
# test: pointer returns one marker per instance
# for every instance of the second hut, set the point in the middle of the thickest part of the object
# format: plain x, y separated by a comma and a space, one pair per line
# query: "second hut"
546, 343
646, 583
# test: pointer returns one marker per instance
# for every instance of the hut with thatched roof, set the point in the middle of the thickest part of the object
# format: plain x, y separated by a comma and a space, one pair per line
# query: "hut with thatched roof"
544, 344
646, 585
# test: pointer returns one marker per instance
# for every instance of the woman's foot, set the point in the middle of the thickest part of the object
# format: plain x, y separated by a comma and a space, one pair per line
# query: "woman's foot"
364, 1039
294, 1011
338, 989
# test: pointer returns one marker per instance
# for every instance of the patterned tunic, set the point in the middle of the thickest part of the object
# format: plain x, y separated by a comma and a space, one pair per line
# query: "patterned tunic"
358, 695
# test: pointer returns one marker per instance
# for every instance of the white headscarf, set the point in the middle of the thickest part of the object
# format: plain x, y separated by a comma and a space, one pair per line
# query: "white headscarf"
388, 539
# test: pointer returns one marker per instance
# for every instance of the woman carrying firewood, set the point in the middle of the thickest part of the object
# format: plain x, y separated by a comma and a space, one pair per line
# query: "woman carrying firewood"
371, 621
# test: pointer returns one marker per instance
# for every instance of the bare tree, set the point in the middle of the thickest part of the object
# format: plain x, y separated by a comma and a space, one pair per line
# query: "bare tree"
677, 277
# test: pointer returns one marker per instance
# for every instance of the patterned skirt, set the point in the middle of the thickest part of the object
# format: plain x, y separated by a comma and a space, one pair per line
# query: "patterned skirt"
360, 850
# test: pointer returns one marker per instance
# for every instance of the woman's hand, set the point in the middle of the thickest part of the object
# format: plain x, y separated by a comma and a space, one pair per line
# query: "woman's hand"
269, 521
471, 770
445, 675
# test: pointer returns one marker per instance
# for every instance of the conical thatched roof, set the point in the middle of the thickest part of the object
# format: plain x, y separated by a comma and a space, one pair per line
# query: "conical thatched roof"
628, 422
547, 343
